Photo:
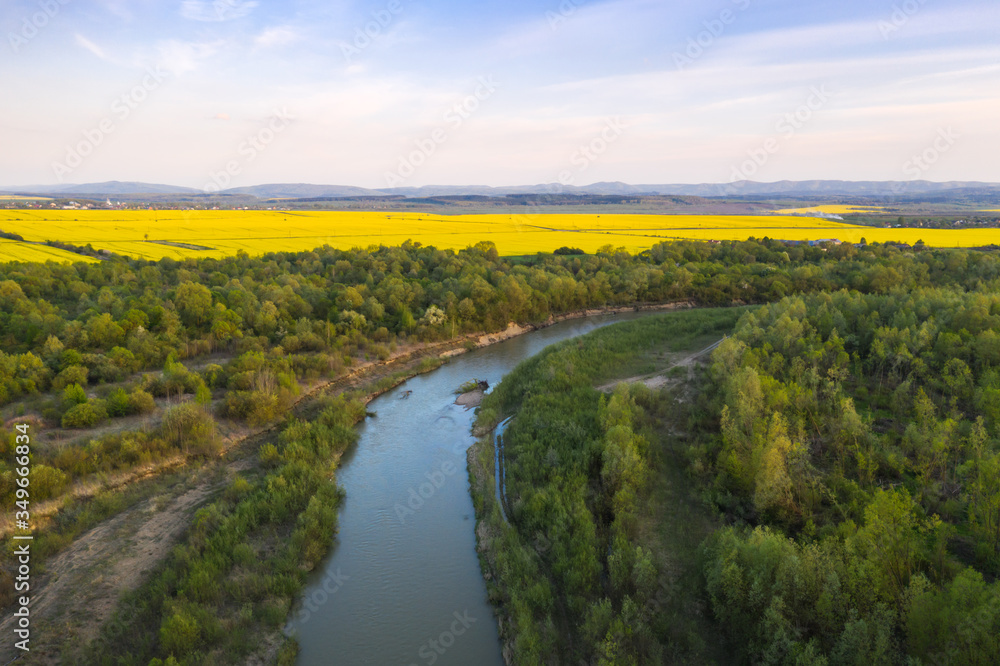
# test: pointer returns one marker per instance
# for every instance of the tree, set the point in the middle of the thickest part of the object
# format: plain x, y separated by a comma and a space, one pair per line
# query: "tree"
773, 485
194, 304
891, 537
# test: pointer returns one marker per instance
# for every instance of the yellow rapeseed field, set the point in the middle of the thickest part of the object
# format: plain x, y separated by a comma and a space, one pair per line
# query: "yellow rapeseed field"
180, 234
831, 209
18, 251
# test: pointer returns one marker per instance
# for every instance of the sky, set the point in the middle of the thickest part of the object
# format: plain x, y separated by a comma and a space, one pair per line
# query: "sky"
228, 93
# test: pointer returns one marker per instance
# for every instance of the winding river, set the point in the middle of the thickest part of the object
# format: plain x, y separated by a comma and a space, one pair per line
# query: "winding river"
402, 584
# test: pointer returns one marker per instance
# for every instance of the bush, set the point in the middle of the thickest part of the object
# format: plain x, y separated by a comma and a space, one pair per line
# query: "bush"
254, 407
190, 428
73, 395
47, 481
74, 374
140, 402
269, 455
117, 403
179, 634
121, 403
85, 415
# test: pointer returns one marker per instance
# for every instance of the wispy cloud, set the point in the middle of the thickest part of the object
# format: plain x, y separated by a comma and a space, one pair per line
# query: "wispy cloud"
565, 67
217, 10
92, 47
277, 36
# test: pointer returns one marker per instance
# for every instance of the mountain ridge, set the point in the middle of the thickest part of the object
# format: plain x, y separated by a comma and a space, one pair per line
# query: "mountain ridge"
735, 189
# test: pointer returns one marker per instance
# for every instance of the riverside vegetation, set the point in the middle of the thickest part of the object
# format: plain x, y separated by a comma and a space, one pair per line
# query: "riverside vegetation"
133, 369
845, 449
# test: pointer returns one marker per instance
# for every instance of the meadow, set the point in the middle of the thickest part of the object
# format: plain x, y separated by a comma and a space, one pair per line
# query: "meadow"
153, 234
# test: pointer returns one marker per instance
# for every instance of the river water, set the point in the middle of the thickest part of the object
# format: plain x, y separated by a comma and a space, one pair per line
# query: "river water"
402, 585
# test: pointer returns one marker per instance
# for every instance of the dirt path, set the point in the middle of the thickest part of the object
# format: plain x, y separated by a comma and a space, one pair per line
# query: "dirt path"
659, 378
83, 583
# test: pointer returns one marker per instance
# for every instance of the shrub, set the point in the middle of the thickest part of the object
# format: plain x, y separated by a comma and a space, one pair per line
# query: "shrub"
117, 403
74, 374
85, 415
73, 395
191, 429
47, 481
179, 634
254, 407
141, 402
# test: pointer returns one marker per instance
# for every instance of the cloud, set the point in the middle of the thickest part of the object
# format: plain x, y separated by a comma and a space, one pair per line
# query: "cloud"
217, 10
119, 8
221, 116
92, 47
277, 36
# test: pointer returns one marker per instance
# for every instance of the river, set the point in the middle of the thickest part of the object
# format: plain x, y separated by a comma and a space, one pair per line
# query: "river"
402, 585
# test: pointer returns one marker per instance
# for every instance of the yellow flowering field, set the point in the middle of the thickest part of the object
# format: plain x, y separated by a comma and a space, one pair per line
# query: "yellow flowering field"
16, 251
832, 209
198, 233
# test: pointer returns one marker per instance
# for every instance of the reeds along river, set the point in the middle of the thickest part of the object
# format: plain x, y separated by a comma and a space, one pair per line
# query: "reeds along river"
402, 584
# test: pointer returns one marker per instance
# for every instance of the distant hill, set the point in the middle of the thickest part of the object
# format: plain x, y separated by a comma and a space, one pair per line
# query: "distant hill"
303, 191
111, 187
739, 188
746, 188
821, 187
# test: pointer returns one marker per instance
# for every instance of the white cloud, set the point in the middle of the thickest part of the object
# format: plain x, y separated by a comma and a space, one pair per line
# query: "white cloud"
277, 36
92, 47
217, 10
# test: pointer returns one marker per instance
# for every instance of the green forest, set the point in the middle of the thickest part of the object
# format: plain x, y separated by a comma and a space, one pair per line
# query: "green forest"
840, 445
844, 450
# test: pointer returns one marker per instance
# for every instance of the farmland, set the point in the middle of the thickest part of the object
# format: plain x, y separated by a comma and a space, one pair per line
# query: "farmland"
185, 234
17, 251
830, 209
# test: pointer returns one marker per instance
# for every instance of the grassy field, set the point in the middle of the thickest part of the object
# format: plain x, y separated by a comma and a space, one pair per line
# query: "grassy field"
181, 234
